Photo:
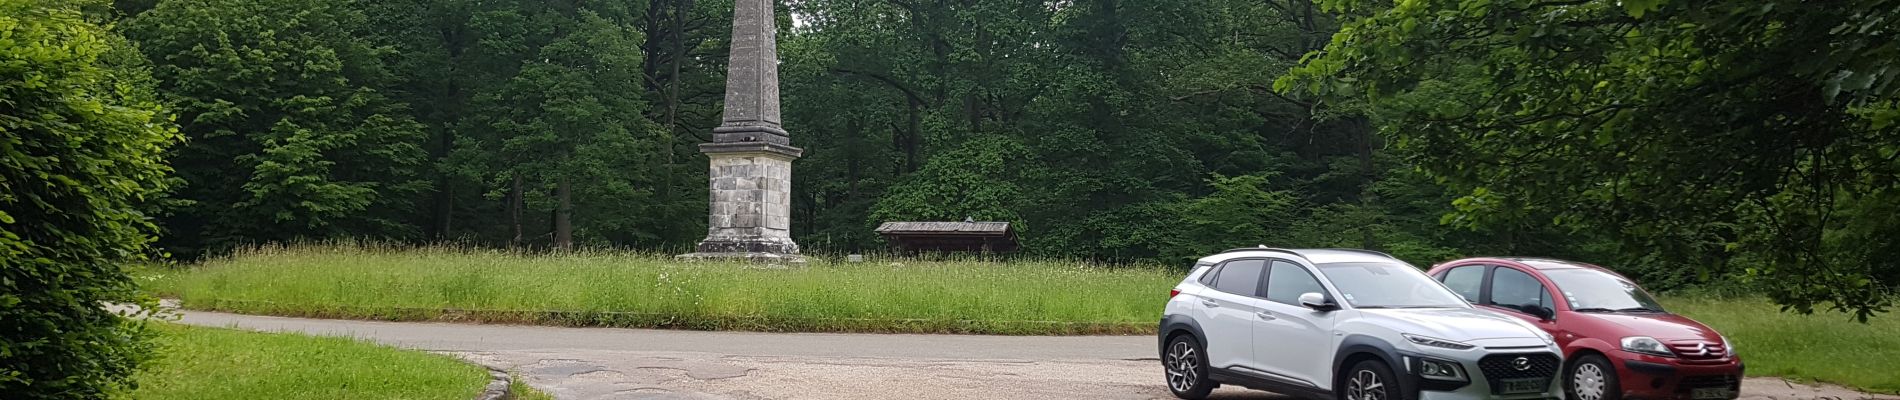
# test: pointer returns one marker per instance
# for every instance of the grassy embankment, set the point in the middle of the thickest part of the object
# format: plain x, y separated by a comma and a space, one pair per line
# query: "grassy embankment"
210, 363
1827, 347
643, 290
632, 290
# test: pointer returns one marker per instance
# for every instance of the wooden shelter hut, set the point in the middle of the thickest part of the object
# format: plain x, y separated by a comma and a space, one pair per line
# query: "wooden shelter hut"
966, 236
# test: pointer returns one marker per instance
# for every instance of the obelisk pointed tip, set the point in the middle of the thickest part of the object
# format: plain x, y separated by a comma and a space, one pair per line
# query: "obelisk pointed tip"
752, 101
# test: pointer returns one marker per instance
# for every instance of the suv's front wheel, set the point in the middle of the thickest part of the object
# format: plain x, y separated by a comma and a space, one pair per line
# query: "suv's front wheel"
1186, 362
1371, 380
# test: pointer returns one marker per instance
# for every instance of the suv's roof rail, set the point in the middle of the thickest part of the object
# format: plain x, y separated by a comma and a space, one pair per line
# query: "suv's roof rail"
1297, 253
1258, 248
1368, 252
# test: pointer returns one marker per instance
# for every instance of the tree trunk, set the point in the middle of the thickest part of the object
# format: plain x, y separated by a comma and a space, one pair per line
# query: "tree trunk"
668, 176
564, 215
650, 66
514, 210
447, 210
680, 11
1369, 174
854, 132
913, 148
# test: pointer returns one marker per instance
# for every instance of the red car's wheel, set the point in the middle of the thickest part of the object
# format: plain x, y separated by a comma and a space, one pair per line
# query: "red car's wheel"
1592, 377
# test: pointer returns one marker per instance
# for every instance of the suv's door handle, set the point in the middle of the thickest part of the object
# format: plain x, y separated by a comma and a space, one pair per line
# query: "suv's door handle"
1209, 303
1265, 315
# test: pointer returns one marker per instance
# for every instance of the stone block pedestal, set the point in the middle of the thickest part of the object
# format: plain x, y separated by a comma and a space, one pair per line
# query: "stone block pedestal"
751, 204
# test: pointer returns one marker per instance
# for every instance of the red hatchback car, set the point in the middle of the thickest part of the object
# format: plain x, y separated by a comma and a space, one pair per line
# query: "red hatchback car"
1618, 342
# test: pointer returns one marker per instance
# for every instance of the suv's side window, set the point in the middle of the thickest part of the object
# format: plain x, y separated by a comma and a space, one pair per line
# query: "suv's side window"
1466, 280
1240, 277
1287, 281
1517, 290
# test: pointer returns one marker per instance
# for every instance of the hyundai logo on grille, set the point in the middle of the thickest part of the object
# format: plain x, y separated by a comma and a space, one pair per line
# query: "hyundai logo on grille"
1521, 363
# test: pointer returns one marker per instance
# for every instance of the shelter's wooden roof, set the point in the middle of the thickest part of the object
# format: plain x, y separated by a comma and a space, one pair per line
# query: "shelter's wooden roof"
951, 228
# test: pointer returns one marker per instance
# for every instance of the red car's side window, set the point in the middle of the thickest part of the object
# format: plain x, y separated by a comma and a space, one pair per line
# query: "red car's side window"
1516, 290
1467, 281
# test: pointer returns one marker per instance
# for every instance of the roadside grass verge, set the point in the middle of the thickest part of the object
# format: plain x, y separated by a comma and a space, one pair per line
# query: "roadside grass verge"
1827, 347
620, 289
211, 363
522, 391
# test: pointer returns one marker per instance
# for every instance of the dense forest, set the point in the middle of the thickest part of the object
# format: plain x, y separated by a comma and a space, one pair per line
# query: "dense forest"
1122, 131
1114, 130
1104, 129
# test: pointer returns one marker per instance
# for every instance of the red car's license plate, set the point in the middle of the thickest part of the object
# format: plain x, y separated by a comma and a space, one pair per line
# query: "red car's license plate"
1709, 393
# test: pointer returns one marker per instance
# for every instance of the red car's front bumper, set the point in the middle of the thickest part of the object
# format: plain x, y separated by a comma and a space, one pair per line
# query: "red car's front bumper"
1650, 377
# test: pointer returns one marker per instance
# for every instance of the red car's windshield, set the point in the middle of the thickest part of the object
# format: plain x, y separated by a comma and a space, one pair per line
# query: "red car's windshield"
1590, 290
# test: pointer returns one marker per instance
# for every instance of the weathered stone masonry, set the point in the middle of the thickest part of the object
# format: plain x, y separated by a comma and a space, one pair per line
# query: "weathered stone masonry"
751, 154
751, 202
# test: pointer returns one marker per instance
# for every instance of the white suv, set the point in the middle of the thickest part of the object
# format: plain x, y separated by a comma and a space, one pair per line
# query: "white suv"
1273, 319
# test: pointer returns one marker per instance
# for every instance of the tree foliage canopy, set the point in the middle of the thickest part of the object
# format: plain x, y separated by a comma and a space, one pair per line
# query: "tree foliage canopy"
81, 140
1727, 135
289, 136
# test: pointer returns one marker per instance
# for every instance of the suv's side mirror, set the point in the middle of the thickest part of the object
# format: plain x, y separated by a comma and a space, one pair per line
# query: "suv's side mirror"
1317, 301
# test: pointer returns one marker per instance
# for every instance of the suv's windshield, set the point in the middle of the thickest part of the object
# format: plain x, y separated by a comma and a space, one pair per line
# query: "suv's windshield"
1388, 285
1592, 290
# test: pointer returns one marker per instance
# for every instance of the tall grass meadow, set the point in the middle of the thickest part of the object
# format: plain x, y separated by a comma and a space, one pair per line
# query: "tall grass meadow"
633, 289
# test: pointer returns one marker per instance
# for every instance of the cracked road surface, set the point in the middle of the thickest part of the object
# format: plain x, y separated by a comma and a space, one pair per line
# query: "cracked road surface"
602, 363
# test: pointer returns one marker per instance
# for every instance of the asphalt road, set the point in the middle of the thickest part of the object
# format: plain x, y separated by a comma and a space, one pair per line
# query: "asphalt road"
602, 363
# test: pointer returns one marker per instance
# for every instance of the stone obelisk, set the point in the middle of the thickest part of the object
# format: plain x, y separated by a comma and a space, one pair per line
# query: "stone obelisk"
751, 154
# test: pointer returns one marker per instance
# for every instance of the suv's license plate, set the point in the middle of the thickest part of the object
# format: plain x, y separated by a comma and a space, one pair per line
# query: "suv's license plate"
1709, 393
1526, 385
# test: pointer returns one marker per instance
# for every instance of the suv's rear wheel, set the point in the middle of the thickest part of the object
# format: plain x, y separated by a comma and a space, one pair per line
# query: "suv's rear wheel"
1592, 378
1186, 362
1371, 380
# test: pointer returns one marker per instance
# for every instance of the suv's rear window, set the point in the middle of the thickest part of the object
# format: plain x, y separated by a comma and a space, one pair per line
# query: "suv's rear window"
1240, 277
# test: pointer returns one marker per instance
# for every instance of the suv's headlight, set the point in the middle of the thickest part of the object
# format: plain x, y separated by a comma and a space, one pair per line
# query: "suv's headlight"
1435, 342
1436, 369
1646, 345
1727, 344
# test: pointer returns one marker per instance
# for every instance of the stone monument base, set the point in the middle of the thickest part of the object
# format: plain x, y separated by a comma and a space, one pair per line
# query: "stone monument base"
763, 258
751, 204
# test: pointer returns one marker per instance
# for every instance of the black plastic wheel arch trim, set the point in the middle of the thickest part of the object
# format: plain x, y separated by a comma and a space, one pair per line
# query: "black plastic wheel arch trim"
1173, 324
1385, 352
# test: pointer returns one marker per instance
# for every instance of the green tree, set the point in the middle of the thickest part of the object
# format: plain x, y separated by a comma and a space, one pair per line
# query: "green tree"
1115, 114
974, 181
566, 133
289, 135
1725, 136
1241, 212
81, 140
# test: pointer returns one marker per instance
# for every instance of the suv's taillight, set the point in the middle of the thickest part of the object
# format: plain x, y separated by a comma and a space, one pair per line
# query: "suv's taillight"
1173, 292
